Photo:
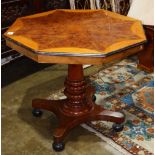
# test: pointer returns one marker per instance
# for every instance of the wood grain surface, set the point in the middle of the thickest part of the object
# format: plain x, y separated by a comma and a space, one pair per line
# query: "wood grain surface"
41, 58
60, 32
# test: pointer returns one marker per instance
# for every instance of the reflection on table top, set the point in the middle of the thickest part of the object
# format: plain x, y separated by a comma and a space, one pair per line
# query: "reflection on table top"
84, 33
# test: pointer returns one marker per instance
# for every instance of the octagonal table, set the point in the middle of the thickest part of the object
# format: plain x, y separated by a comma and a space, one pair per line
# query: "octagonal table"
76, 37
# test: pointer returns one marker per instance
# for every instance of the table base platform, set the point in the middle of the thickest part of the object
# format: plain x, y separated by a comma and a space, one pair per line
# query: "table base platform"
79, 107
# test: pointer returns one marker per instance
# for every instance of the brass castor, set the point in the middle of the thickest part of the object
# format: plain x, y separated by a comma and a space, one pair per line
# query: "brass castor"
58, 146
37, 112
117, 127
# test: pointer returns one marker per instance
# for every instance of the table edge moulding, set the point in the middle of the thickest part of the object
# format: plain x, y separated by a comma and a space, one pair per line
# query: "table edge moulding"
32, 46
79, 105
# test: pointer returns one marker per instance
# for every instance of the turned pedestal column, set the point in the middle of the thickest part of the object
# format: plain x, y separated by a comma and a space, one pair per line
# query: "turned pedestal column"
77, 108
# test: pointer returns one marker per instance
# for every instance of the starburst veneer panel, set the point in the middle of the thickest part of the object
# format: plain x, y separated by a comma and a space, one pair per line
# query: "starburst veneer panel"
97, 33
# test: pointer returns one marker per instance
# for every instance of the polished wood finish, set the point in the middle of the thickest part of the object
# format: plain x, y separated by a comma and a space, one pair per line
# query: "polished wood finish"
146, 57
13, 9
78, 107
97, 32
74, 59
76, 37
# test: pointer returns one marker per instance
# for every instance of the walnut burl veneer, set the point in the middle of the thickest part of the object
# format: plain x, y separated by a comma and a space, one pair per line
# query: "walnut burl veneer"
75, 38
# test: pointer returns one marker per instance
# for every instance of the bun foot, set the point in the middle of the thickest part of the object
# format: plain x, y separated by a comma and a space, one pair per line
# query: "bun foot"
117, 127
58, 146
37, 112
94, 98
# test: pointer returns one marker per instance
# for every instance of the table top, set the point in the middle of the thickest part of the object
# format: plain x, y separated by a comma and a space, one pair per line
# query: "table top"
84, 33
